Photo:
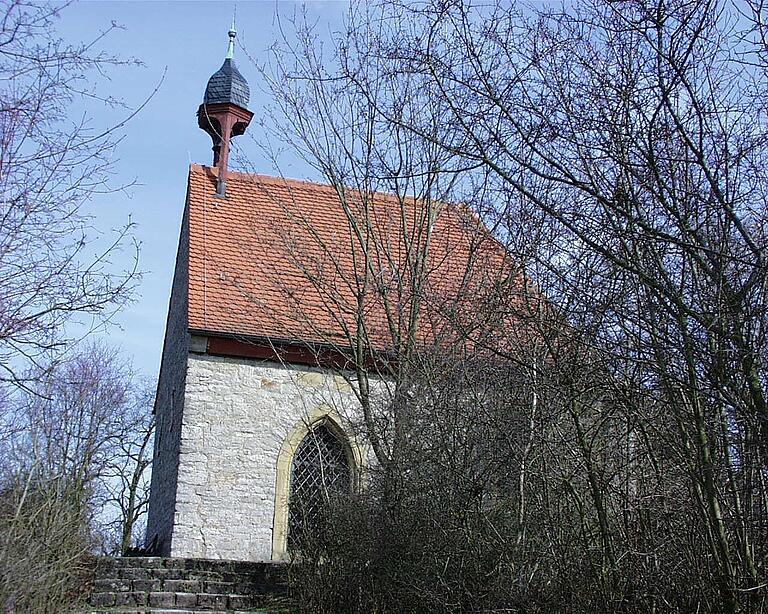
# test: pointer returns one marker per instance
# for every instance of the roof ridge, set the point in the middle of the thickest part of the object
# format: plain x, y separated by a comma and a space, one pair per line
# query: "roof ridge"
461, 208
282, 180
261, 177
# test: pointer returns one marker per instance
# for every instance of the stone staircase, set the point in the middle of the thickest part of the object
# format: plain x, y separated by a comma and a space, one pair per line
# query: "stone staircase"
139, 585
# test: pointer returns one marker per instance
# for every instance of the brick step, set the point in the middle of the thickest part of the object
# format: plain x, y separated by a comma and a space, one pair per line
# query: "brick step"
152, 584
178, 585
166, 611
192, 569
198, 601
129, 574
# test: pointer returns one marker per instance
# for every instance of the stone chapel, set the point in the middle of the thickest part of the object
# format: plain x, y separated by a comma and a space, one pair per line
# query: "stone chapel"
253, 405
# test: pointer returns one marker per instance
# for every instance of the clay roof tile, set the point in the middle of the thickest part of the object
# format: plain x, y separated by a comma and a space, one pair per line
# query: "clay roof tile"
280, 258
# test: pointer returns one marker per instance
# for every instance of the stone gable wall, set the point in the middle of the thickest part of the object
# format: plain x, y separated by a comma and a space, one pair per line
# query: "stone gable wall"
237, 415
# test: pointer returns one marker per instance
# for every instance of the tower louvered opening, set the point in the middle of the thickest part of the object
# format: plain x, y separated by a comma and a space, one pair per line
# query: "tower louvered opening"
320, 472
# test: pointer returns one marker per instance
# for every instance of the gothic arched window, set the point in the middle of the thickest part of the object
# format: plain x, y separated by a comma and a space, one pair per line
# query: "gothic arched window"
319, 471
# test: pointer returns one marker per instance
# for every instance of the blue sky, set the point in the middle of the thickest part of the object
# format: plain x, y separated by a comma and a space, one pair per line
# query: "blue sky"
182, 44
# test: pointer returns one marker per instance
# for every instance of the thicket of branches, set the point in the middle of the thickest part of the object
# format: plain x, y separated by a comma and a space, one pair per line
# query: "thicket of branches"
52, 270
73, 480
74, 424
589, 433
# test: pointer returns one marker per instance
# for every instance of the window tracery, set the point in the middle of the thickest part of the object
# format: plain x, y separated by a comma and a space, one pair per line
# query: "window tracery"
320, 471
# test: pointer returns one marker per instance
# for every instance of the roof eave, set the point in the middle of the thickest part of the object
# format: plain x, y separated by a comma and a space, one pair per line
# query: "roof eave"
280, 349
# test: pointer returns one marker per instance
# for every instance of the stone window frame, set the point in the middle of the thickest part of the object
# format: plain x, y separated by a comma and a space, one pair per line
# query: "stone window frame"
329, 418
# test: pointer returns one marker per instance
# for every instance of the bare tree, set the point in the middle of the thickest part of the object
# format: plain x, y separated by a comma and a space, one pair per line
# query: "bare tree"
59, 473
614, 149
61, 414
360, 157
421, 347
631, 127
126, 480
50, 164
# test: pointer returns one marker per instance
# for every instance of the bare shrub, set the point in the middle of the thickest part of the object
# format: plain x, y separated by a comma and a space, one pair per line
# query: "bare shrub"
612, 148
71, 431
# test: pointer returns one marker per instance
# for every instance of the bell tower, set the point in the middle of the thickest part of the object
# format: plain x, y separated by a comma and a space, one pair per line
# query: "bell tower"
224, 113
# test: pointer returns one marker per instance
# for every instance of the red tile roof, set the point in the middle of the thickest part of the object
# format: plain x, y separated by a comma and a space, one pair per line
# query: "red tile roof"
283, 259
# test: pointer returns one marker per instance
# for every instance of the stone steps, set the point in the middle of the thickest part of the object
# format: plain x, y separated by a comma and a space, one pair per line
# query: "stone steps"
177, 611
138, 585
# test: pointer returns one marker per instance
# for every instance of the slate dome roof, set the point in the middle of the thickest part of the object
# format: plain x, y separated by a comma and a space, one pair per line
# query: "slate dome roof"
227, 85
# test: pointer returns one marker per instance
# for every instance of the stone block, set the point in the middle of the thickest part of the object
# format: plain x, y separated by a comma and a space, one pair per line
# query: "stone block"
212, 601
310, 379
169, 574
186, 600
176, 563
146, 586
135, 573
118, 562
340, 384
219, 587
151, 562
111, 585
242, 602
102, 600
247, 568
182, 586
248, 587
198, 344
162, 600
130, 599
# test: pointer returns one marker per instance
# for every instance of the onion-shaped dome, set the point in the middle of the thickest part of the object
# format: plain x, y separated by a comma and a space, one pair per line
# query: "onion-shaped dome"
227, 85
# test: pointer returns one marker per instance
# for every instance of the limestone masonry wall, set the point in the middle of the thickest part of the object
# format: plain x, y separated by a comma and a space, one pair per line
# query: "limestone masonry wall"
237, 414
169, 406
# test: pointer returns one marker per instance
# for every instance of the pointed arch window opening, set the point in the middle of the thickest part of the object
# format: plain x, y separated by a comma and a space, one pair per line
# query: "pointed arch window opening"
320, 471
